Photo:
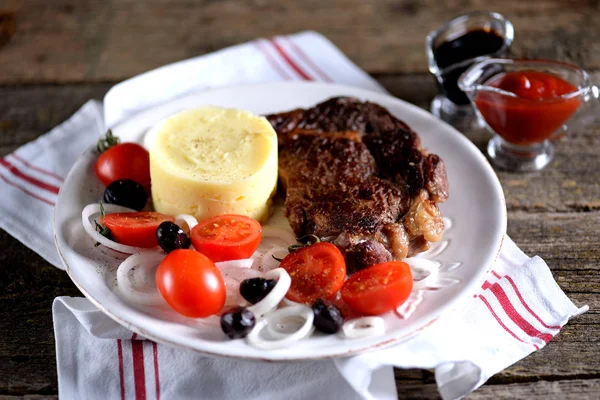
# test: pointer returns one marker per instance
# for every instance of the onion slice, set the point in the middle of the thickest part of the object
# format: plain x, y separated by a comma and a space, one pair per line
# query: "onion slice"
282, 339
266, 262
143, 261
288, 303
426, 273
276, 294
244, 263
422, 268
233, 277
189, 220
410, 305
364, 327
281, 319
91, 210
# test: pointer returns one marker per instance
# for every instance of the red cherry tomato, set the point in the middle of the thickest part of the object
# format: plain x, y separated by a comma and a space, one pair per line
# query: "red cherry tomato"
124, 161
135, 228
191, 284
317, 271
227, 237
378, 289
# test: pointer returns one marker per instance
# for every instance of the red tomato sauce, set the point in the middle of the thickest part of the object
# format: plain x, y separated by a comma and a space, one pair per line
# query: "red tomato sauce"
535, 114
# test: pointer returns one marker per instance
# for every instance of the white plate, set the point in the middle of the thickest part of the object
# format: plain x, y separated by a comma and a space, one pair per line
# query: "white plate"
476, 208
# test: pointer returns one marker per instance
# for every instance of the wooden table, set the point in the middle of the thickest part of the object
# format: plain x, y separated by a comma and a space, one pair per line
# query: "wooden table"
56, 55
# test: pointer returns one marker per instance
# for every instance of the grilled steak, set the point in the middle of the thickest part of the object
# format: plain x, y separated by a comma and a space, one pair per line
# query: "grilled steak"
356, 176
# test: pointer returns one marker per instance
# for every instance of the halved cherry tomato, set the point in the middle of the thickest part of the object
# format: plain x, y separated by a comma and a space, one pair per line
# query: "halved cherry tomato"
379, 288
135, 228
317, 271
227, 237
124, 161
191, 283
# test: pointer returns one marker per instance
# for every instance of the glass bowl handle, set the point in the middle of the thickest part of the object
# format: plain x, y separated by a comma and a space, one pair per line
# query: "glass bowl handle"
583, 118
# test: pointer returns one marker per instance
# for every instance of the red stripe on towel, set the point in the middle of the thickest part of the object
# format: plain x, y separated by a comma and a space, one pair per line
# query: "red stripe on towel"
38, 169
27, 192
513, 284
514, 315
290, 62
34, 181
139, 375
511, 333
304, 57
156, 374
121, 378
272, 61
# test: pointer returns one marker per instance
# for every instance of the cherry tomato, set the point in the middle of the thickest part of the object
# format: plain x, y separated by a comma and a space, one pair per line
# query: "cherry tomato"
135, 228
317, 271
191, 283
227, 237
379, 288
124, 161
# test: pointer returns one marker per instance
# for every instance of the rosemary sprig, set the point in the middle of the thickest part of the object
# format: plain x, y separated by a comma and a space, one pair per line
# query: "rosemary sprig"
101, 229
305, 241
107, 141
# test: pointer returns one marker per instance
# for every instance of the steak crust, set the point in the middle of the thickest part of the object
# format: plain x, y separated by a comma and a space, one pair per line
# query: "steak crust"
357, 176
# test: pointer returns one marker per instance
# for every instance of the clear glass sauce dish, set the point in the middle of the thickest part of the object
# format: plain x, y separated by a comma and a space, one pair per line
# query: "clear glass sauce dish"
526, 104
454, 47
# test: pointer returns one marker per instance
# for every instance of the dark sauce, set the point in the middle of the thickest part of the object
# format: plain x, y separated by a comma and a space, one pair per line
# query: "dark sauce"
472, 44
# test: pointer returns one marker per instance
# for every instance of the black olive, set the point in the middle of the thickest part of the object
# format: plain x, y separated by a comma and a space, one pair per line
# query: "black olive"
328, 318
171, 237
126, 193
237, 322
255, 289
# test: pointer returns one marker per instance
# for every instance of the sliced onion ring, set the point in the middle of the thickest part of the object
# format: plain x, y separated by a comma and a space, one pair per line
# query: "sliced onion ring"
406, 309
145, 259
189, 220
364, 327
278, 319
254, 337
243, 264
276, 294
422, 268
266, 262
93, 209
288, 303
433, 276
285, 235
233, 276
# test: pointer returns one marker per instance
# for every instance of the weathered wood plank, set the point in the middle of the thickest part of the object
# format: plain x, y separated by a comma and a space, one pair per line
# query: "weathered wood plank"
566, 241
577, 389
28, 285
28, 112
65, 41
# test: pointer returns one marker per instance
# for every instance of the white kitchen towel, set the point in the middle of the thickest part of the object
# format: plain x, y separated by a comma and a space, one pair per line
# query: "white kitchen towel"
99, 359
519, 309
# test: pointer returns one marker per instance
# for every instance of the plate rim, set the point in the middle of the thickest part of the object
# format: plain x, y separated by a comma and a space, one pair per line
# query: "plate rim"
457, 302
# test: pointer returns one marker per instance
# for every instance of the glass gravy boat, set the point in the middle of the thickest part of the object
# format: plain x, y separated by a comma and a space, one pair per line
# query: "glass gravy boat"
523, 127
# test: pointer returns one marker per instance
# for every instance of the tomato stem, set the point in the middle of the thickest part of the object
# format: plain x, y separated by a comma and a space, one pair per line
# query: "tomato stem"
106, 142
